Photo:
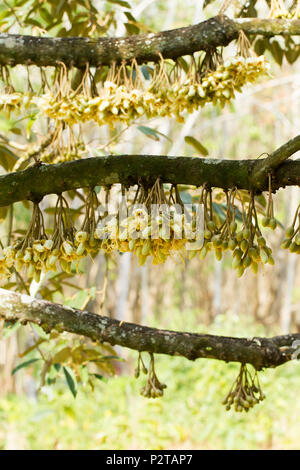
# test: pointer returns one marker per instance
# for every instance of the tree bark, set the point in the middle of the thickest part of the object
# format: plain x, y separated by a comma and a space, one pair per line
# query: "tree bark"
77, 51
260, 352
36, 182
274, 160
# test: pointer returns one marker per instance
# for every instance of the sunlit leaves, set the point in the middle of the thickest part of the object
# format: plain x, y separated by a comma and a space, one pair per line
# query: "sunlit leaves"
71, 380
197, 145
24, 364
40, 331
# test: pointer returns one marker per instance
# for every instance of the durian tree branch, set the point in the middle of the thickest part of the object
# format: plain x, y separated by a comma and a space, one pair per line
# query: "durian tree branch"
260, 352
217, 31
266, 166
37, 181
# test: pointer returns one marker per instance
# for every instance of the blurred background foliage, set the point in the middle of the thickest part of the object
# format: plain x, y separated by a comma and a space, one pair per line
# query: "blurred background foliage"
189, 416
191, 295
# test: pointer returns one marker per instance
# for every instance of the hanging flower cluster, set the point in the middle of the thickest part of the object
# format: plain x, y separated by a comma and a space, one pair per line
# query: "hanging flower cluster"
292, 240
248, 246
245, 391
153, 388
126, 94
14, 102
36, 253
65, 147
156, 225
122, 103
279, 10
146, 234
125, 102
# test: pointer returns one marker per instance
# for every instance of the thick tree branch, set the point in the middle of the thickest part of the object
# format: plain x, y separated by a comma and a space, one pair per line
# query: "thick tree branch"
36, 182
260, 352
217, 31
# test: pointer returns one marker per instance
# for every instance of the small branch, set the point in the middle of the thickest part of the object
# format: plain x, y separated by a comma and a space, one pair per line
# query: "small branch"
35, 152
274, 160
268, 27
77, 51
260, 352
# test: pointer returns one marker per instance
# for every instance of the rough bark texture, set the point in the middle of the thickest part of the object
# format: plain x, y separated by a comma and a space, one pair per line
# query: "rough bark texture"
274, 160
209, 34
36, 182
260, 352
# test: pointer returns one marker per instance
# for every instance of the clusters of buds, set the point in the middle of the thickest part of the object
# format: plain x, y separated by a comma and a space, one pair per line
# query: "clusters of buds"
126, 94
36, 253
155, 225
153, 388
269, 219
278, 10
14, 102
31, 252
64, 145
125, 103
146, 234
292, 240
7, 261
245, 391
248, 246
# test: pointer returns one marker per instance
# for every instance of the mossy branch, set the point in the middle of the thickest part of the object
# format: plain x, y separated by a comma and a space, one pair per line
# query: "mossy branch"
274, 160
37, 181
260, 352
77, 51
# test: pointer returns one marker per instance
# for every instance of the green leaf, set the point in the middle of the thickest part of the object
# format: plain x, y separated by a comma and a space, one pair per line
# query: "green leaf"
183, 64
196, 144
131, 28
45, 15
122, 3
149, 132
260, 46
3, 212
98, 376
39, 331
276, 52
24, 364
152, 133
186, 197
147, 71
7, 158
71, 380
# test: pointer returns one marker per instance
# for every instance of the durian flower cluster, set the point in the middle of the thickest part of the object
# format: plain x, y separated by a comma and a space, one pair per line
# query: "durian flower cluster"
14, 102
43, 255
248, 245
292, 235
279, 10
245, 392
119, 103
159, 235
144, 236
67, 250
125, 103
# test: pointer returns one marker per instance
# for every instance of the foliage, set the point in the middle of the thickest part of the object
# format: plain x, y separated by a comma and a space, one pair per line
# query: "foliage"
125, 93
117, 417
